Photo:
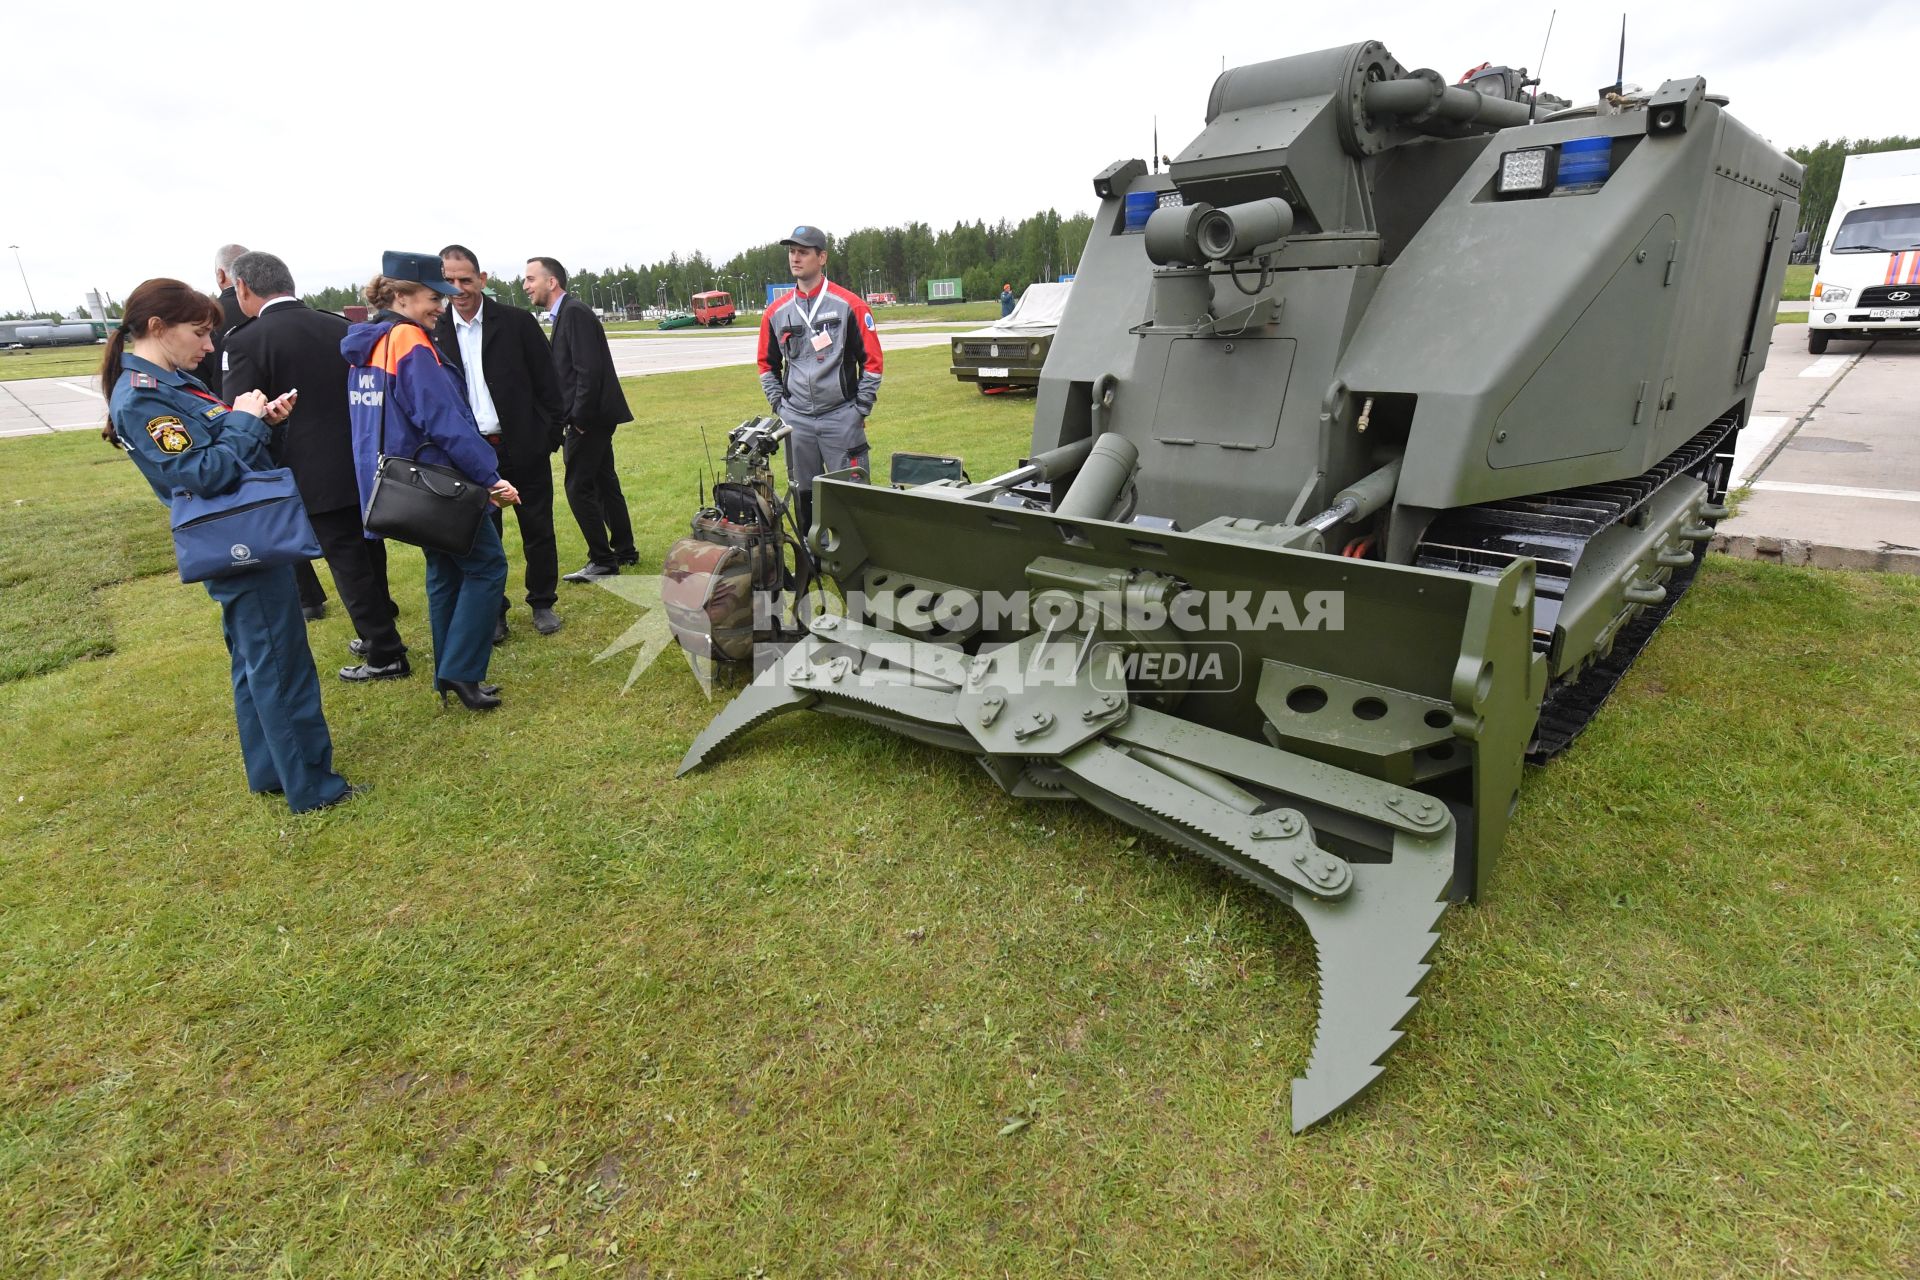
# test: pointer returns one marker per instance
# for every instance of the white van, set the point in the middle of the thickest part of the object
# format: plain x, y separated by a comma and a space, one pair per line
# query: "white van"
1869, 277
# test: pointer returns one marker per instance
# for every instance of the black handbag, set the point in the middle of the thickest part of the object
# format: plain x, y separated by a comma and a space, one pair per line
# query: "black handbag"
423, 503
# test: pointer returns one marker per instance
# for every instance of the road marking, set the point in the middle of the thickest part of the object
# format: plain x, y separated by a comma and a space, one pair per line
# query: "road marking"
1761, 431
1836, 491
1825, 367
85, 391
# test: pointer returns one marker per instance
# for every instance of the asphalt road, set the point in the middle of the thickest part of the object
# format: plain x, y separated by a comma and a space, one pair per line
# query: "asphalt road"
36, 406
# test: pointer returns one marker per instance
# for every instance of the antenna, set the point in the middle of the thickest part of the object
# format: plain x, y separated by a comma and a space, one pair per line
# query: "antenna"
1539, 69
1620, 73
709, 449
1156, 144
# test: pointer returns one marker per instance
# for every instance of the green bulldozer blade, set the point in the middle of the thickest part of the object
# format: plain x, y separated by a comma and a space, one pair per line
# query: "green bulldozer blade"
1372, 922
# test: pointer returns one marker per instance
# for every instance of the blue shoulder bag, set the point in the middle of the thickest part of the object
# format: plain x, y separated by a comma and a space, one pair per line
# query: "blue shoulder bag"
258, 524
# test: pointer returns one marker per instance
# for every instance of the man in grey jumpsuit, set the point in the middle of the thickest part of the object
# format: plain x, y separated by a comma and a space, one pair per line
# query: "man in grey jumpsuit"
820, 368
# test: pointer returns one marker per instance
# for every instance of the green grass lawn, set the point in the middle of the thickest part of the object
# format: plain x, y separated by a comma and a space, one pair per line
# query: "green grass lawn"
534, 1005
1799, 282
51, 362
946, 313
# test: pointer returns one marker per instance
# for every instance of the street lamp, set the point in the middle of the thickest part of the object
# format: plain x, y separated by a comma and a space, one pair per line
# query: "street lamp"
31, 304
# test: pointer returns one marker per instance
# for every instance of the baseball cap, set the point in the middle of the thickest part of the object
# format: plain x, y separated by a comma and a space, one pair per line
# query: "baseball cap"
421, 268
807, 238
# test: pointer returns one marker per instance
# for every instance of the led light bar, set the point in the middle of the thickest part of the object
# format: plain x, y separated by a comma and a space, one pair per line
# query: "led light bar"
1527, 172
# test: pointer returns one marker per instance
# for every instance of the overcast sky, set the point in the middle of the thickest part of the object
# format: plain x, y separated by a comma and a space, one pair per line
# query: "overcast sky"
138, 139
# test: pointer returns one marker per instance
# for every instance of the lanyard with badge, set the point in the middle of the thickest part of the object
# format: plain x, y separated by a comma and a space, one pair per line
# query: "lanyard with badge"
821, 341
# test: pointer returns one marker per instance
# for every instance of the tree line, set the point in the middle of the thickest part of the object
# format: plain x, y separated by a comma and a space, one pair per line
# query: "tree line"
897, 260
1822, 184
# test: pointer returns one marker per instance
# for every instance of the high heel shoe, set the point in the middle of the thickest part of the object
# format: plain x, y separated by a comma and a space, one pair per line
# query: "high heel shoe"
475, 697
438, 684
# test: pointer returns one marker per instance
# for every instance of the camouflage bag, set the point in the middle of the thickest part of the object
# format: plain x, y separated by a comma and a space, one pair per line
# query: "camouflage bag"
711, 577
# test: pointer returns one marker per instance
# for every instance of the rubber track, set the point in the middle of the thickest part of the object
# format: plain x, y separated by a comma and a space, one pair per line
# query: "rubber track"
1553, 529
1570, 707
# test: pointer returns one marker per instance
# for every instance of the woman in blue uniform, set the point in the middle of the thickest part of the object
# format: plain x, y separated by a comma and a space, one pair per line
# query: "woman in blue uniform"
401, 391
181, 436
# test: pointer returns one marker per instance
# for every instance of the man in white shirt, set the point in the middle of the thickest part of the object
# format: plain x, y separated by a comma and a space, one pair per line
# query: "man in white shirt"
507, 367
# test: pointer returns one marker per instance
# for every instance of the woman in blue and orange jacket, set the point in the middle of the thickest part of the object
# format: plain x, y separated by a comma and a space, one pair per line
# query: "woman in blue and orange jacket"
397, 371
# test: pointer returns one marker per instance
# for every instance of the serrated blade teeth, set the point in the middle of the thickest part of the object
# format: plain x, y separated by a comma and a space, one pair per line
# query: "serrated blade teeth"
767, 697
1372, 949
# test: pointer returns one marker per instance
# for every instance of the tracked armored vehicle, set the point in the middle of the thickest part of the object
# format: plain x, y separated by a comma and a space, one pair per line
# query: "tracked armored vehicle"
1378, 435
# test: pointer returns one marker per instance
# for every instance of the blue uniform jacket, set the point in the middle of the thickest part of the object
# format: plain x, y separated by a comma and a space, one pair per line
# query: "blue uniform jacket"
395, 366
180, 435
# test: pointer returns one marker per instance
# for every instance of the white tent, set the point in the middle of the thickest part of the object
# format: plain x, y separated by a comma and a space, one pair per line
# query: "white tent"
1039, 308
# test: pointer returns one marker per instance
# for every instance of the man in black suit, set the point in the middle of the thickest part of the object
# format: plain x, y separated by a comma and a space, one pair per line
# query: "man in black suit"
507, 367
288, 346
212, 371
591, 407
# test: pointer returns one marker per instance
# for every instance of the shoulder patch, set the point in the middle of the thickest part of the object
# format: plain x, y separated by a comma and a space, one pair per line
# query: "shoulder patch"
169, 434
214, 412
867, 320
139, 379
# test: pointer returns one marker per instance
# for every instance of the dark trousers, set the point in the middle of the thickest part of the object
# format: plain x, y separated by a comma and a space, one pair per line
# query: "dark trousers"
593, 491
312, 594
463, 599
359, 566
276, 692
535, 516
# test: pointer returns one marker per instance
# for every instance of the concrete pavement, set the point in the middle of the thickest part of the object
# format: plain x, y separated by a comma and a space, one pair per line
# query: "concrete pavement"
35, 406
1831, 458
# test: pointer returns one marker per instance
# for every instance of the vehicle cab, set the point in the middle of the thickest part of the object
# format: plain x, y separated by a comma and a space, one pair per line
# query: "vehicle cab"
1868, 283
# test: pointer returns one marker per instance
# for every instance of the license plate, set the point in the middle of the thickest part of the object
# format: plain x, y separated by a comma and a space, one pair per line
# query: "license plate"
992, 373
1895, 313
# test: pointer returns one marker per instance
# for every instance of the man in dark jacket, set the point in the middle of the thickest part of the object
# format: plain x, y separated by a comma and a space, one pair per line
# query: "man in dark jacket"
591, 407
211, 369
288, 346
507, 368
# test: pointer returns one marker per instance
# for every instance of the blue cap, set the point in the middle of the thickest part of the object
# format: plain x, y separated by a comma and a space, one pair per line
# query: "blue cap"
807, 238
421, 268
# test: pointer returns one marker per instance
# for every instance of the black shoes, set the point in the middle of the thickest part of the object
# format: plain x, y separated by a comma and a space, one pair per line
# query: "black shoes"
473, 696
313, 612
628, 558
367, 671
593, 572
357, 647
546, 621
500, 629
354, 790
